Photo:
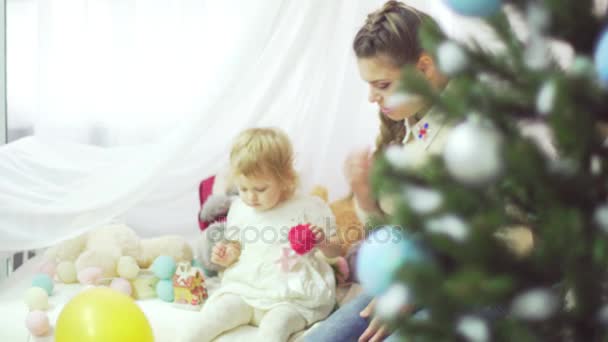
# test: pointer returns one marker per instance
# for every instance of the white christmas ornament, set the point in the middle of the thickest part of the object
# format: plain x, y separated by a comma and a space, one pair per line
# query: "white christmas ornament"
602, 315
596, 165
538, 17
537, 50
393, 301
404, 158
564, 166
452, 58
601, 217
450, 225
545, 101
582, 67
472, 153
535, 305
400, 99
474, 329
423, 200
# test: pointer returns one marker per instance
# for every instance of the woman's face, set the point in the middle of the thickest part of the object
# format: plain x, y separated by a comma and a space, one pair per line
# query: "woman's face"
383, 79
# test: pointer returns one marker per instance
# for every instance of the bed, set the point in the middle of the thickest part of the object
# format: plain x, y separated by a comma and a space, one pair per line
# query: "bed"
164, 318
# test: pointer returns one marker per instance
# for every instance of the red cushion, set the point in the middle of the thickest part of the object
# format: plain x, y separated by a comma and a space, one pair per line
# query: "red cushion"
205, 189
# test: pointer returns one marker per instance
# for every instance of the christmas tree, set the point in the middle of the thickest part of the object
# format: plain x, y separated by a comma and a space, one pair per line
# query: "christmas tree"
493, 177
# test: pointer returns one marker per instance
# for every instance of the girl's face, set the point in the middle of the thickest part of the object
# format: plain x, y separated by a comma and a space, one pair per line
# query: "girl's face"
259, 192
383, 79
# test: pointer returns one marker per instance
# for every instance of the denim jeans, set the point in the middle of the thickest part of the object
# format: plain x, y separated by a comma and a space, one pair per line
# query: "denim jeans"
345, 324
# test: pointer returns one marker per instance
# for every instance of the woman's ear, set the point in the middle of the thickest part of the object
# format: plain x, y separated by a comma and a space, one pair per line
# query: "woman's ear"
426, 65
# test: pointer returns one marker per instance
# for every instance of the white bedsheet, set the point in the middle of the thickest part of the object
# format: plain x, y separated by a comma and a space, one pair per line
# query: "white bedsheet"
164, 318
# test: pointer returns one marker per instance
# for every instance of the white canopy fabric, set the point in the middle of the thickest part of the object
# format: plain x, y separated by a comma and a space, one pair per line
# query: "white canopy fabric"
268, 63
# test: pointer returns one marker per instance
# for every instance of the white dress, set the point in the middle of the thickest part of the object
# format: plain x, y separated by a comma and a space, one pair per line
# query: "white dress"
308, 287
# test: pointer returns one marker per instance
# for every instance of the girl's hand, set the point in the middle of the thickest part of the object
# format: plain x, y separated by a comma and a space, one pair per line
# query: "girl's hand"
233, 252
331, 247
319, 235
225, 254
357, 169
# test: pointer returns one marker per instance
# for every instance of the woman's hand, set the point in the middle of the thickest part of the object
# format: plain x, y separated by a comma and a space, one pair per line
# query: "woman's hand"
357, 169
376, 330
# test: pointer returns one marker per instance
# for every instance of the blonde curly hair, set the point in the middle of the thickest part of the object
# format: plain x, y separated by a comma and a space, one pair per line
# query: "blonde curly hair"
265, 152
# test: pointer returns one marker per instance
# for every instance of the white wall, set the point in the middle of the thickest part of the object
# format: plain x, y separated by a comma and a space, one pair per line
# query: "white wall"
3, 129
4, 258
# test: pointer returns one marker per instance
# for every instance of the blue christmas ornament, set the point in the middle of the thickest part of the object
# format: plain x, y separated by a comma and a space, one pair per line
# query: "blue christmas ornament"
43, 281
601, 58
475, 8
164, 267
164, 290
382, 254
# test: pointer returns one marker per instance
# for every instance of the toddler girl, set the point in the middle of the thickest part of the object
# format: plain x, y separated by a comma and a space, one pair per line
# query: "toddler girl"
265, 283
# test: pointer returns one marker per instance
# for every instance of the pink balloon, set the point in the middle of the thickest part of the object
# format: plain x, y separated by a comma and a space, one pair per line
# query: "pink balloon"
48, 267
37, 322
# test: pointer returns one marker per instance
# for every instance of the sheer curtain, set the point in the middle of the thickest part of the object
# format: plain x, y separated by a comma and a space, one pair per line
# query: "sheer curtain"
112, 73
128, 104
166, 84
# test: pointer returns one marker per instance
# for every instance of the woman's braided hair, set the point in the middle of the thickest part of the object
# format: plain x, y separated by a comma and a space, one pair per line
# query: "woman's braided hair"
391, 32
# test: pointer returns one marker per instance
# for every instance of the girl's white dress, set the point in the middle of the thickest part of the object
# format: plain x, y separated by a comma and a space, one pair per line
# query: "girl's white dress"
259, 277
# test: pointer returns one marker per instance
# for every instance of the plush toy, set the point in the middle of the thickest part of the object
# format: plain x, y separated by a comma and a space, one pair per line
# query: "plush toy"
103, 248
215, 209
349, 228
212, 220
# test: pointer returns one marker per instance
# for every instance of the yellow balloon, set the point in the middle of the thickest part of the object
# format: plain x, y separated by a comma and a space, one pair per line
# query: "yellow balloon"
102, 315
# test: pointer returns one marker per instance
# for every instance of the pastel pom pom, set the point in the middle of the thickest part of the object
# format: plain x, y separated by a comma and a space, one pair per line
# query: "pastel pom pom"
90, 275
37, 322
36, 299
127, 267
301, 238
164, 290
121, 285
66, 272
164, 267
49, 268
381, 255
43, 281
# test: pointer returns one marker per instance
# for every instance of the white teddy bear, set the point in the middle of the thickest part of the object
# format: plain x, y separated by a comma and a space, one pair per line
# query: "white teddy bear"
105, 246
